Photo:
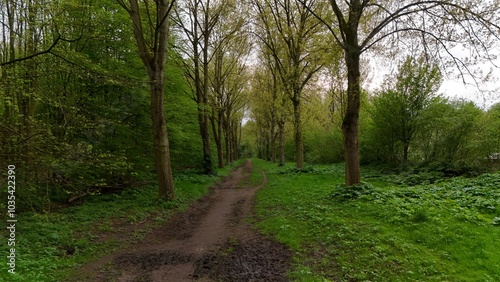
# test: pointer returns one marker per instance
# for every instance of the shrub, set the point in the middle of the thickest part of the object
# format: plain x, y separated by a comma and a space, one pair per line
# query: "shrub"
342, 193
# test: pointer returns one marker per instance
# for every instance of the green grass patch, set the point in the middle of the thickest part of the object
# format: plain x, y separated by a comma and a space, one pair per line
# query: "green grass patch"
256, 177
50, 246
447, 230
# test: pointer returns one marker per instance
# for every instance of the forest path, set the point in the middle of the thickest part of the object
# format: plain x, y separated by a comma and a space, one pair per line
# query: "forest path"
211, 241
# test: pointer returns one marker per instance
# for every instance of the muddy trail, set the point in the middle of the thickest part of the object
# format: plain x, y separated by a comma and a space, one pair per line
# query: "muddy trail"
211, 241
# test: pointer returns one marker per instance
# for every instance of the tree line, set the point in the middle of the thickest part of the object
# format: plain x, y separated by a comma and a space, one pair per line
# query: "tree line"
302, 37
406, 122
85, 83
99, 95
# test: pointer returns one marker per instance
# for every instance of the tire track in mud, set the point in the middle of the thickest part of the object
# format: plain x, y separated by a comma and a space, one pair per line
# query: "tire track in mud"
211, 241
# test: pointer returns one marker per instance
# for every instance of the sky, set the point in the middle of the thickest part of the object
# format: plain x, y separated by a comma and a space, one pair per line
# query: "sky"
483, 93
484, 96
483, 99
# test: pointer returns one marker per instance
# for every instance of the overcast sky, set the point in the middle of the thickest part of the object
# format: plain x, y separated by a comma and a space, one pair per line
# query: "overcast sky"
487, 94
483, 93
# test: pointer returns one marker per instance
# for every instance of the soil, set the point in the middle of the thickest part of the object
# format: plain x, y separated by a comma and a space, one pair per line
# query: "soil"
212, 241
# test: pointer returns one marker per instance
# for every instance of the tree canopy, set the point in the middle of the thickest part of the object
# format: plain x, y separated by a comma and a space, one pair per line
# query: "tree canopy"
84, 85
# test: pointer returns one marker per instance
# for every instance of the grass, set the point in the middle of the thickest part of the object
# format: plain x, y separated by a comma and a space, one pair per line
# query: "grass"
254, 179
383, 230
50, 246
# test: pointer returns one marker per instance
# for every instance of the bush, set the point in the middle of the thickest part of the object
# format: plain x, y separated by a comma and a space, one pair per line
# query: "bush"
342, 193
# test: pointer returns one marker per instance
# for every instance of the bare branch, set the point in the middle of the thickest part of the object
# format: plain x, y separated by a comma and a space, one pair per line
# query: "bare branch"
48, 50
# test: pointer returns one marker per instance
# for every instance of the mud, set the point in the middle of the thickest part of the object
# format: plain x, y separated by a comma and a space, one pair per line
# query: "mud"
211, 241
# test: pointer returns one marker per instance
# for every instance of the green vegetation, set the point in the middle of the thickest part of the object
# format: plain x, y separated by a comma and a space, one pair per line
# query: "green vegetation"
383, 229
86, 103
50, 245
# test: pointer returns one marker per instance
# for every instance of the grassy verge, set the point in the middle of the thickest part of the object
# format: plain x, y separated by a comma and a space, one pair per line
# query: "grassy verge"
383, 231
50, 246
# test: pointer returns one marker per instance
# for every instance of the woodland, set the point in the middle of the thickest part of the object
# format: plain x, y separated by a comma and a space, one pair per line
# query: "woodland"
261, 78
103, 97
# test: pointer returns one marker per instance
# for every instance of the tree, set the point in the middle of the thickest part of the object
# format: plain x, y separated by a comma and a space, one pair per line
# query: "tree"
271, 104
268, 109
490, 139
453, 133
152, 42
22, 37
196, 20
361, 25
397, 111
230, 46
82, 125
211, 32
291, 34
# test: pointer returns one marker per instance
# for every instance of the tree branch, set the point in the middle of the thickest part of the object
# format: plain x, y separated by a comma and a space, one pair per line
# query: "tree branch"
48, 50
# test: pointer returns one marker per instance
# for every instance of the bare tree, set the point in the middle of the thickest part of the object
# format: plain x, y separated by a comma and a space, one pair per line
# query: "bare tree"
361, 25
152, 42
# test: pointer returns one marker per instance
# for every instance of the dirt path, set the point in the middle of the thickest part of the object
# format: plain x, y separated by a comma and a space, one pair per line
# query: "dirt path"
211, 241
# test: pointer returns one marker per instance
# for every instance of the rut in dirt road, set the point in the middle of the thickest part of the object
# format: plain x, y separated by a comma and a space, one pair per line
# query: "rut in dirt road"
211, 241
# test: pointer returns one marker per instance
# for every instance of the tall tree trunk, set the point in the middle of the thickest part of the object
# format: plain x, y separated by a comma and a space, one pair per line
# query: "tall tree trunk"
273, 139
154, 58
4, 141
227, 139
10, 90
268, 147
201, 86
218, 104
281, 137
299, 140
406, 147
259, 146
207, 155
201, 101
220, 132
160, 138
217, 132
274, 90
350, 124
27, 109
234, 141
238, 139
202, 107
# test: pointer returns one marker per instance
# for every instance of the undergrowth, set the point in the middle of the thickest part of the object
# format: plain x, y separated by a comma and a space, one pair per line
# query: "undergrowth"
49, 246
384, 229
